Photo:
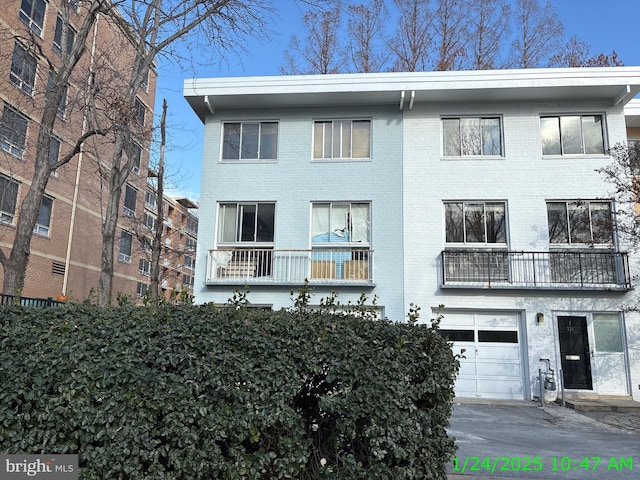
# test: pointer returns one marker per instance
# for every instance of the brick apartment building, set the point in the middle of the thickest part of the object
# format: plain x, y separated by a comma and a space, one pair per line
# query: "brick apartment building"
66, 245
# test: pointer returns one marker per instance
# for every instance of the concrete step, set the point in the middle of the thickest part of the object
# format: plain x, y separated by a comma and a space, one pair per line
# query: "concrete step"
602, 403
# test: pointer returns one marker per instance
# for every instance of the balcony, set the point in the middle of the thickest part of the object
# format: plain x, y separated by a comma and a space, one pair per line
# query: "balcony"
290, 267
568, 270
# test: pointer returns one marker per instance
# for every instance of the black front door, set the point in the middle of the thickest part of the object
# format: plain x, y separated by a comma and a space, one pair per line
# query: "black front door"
574, 352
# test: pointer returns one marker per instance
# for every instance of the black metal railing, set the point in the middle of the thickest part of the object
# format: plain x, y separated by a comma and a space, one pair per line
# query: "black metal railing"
28, 301
593, 269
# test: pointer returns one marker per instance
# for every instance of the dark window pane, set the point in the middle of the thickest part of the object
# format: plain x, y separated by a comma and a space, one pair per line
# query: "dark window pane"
491, 140
495, 218
579, 223
231, 141
454, 222
457, 335
499, 336
474, 222
550, 133
557, 218
269, 141
247, 223
266, 214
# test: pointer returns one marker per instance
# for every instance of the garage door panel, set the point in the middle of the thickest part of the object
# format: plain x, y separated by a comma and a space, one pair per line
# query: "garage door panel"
501, 388
466, 387
467, 368
499, 369
498, 321
499, 352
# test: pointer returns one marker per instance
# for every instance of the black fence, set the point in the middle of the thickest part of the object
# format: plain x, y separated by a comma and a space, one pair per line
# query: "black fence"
28, 301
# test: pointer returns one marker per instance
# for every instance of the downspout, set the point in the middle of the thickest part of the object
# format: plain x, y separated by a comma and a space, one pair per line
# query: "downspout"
76, 188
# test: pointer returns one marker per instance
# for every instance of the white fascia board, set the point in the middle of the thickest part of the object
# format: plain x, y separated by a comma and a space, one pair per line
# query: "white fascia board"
618, 84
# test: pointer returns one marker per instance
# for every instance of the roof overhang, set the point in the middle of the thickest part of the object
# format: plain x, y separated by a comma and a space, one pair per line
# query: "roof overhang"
612, 85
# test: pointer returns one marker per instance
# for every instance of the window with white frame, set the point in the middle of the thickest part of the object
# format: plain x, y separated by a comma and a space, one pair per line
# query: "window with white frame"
144, 267
189, 262
250, 141
151, 200
150, 221
246, 223
472, 137
32, 13
585, 222
126, 242
147, 245
190, 244
8, 199
130, 197
187, 280
572, 134
43, 223
13, 131
23, 69
340, 224
63, 29
475, 223
342, 139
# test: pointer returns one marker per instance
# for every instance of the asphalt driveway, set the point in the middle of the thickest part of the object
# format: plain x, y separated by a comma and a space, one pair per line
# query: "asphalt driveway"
521, 440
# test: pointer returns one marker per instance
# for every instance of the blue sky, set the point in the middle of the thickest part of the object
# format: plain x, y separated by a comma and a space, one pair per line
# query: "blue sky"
604, 24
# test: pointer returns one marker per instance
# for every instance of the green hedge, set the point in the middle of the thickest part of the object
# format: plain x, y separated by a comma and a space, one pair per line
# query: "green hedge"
202, 392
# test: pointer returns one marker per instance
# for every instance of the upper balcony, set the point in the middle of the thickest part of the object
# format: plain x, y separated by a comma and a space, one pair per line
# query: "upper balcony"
561, 270
258, 266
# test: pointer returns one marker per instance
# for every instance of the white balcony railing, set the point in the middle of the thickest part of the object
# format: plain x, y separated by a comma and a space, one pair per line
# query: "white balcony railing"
257, 265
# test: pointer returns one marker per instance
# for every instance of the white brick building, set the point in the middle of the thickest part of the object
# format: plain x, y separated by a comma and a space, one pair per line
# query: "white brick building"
473, 190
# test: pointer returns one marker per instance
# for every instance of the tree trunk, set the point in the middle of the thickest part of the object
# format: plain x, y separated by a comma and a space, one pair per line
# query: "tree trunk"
105, 282
157, 240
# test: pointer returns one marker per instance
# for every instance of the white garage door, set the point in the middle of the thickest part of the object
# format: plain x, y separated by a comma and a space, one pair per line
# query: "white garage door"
492, 367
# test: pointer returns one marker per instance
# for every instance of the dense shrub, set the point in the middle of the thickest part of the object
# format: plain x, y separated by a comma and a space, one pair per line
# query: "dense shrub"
202, 392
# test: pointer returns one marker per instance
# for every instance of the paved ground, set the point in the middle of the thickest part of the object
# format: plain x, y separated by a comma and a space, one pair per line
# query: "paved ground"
521, 440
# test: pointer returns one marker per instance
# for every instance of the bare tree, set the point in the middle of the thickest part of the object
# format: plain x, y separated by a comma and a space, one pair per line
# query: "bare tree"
321, 51
156, 247
412, 39
365, 23
450, 25
538, 34
623, 173
488, 30
576, 53
60, 72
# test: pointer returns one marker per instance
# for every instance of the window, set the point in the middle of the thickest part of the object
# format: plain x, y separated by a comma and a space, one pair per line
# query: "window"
43, 222
334, 139
13, 131
23, 69
608, 332
190, 244
250, 141
147, 245
144, 267
340, 223
472, 136
61, 30
187, 280
246, 222
136, 152
141, 289
63, 100
32, 13
475, 222
8, 199
580, 222
189, 262
192, 225
130, 195
150, 221
151, 200
572, 135
140, 112
126, 240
